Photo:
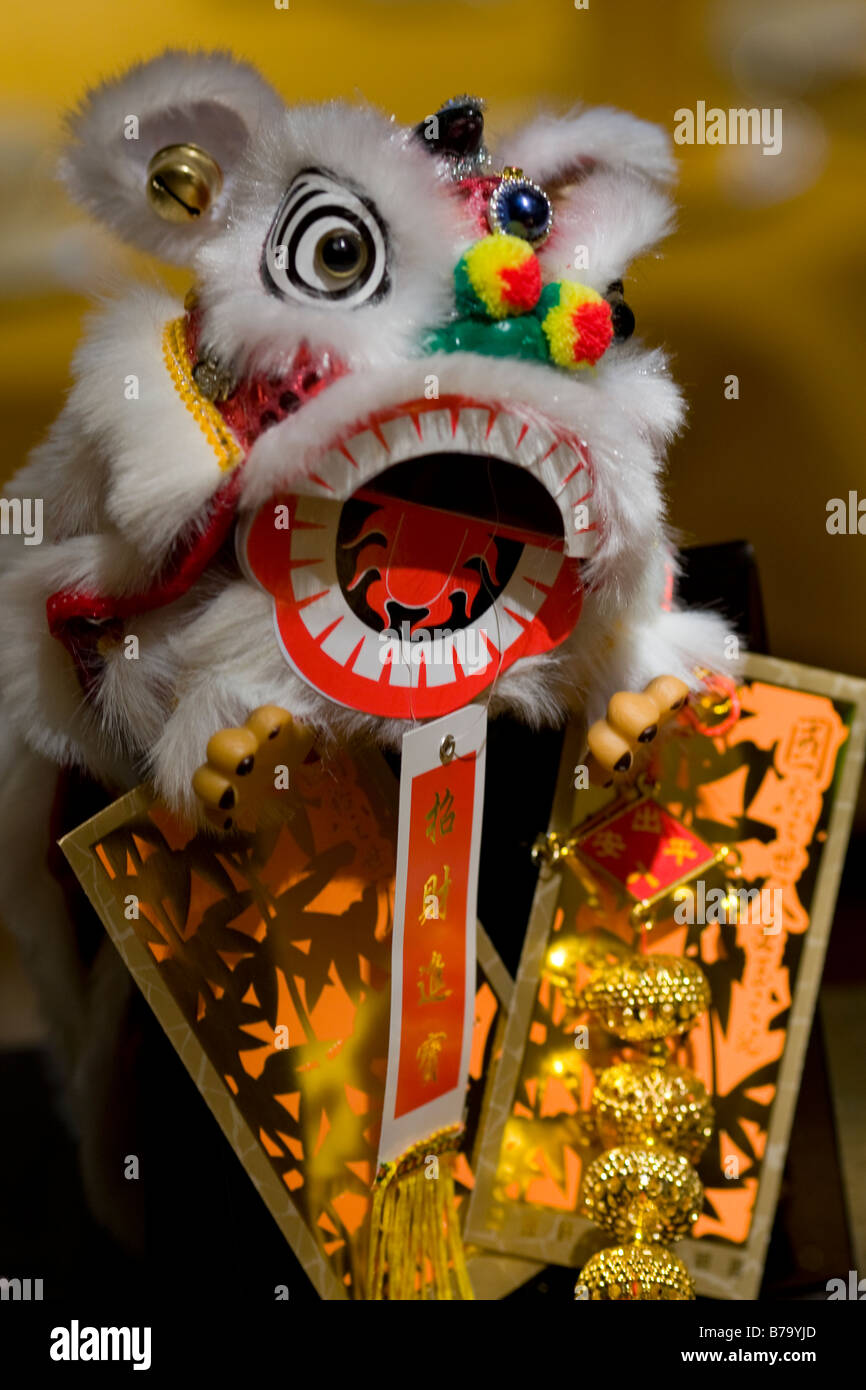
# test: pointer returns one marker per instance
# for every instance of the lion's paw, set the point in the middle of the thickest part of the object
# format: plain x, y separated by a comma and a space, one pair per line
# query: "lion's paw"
619, 743
246, 767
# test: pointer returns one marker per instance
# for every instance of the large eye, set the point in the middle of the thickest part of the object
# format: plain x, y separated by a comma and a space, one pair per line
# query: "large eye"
326, 243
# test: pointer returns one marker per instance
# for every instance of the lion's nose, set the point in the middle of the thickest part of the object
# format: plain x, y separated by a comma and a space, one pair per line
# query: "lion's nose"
504, 311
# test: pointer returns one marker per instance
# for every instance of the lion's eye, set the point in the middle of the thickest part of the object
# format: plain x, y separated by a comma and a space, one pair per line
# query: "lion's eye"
326, 243
341, 254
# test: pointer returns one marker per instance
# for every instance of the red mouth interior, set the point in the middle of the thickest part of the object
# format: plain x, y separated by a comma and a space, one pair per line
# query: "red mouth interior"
461, 553
432, 542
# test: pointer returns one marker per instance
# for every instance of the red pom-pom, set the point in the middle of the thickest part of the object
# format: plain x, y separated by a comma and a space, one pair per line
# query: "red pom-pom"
522, 285
594, 331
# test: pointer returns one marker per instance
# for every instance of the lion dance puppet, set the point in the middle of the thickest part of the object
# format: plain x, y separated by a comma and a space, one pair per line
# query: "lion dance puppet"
396, 454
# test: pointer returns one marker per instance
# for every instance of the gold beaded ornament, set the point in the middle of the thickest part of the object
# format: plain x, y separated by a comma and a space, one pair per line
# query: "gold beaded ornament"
655, 1118
646, 1103
644, 1194
658, 1119
648, 997
635, 1273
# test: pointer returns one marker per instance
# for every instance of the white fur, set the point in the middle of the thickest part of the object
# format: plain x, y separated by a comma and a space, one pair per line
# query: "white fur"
136, 472
42, 698
616, 217
163, 470
560, 149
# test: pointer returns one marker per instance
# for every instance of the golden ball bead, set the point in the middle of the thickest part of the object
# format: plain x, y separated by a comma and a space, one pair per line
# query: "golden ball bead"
595, 950
643, 1103
651, 1194
635, 1273
648, 997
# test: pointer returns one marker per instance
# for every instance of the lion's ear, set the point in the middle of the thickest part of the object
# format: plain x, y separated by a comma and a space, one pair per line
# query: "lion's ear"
607, 173
206, 101
560, 150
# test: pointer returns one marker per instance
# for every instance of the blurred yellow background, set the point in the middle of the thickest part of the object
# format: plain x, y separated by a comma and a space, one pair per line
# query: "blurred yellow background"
762, 280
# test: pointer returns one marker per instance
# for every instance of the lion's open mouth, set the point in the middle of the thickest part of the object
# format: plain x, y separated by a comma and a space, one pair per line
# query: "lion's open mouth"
428, 551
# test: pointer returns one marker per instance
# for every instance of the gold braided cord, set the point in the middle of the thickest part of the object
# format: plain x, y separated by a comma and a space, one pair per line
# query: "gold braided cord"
416, 1250
206, 415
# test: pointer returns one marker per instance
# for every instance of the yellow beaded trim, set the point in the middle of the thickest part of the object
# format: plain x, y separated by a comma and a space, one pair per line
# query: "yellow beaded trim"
203, 412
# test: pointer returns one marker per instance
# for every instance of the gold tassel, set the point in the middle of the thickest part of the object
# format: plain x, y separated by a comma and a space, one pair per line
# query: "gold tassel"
416, 1250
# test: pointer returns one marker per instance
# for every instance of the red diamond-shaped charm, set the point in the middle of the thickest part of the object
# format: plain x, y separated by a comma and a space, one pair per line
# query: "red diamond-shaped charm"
645, 849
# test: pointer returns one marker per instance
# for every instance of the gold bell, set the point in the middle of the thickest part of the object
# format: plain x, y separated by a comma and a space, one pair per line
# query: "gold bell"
182, 182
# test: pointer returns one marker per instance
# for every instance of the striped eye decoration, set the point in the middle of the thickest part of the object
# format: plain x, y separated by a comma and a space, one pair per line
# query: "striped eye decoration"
326, 243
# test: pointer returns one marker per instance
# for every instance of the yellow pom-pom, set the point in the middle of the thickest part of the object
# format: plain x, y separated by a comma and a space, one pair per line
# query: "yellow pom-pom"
578, 326
500, 275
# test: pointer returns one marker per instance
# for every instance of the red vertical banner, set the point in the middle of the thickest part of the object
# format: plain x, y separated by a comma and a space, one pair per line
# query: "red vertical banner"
433, 949
434, 933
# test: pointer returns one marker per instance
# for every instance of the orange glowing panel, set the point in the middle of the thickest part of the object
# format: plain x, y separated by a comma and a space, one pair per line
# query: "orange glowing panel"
267, 959
775, 788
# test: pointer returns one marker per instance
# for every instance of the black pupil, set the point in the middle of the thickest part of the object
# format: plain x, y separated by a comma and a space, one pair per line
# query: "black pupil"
340, 252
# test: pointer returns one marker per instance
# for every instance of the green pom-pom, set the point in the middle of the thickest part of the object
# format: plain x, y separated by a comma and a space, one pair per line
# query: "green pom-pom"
468, 301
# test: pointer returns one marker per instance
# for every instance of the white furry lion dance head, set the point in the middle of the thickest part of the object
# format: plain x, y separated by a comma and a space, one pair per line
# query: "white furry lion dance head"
398, 452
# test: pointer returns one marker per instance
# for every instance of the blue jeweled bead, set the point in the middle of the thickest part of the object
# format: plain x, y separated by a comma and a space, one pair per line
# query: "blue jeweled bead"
523, 211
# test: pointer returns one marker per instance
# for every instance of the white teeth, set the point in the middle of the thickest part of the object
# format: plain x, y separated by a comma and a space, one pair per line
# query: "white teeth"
322, 612
440, 667
525, 599
340, 473
578, 473
475, 657
473, 424
557, 464
367, 662
340, 643
501, 628
401, 673
509, 438
540, 565
310, 580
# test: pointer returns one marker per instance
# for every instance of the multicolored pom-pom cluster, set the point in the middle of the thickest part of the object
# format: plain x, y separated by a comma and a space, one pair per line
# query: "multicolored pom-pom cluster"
499, 276
505, 312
